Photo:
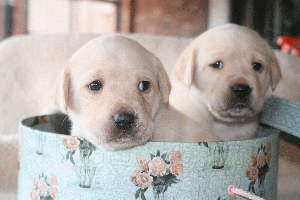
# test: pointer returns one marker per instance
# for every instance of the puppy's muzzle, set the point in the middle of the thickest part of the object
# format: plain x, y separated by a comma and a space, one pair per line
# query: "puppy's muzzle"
241, 91
124, 121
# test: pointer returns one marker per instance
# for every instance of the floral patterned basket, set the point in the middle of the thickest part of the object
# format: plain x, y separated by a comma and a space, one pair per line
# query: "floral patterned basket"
54, 165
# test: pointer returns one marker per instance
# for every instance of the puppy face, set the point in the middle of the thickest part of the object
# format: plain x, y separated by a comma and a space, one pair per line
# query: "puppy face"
230, 68
112, 89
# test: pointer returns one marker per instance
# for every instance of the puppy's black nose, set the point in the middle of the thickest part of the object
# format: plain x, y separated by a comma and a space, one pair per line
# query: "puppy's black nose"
124, 121
241, 90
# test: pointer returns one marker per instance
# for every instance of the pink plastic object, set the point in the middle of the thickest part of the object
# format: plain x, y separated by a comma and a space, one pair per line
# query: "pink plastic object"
233, 190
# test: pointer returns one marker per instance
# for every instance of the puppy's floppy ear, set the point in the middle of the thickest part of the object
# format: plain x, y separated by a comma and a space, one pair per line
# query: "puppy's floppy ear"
60, 91
163, 82
184, 67
275, 72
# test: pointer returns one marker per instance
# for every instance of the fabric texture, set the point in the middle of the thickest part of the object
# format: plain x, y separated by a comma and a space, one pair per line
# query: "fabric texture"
75, 169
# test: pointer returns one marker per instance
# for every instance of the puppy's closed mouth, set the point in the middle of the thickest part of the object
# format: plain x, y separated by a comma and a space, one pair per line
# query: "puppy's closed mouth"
123, 136
237, 108
237, 111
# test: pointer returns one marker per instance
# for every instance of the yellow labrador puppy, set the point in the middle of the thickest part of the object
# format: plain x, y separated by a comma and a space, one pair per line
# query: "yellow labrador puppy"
221, 78
116, 94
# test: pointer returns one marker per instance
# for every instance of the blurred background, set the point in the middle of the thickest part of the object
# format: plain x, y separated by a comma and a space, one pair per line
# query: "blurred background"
187, 18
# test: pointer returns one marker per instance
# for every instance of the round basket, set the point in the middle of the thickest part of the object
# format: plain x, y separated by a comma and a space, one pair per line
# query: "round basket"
54, 165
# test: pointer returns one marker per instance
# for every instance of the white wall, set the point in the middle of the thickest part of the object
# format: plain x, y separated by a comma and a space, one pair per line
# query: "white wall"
48, 16
94, 17
61, 16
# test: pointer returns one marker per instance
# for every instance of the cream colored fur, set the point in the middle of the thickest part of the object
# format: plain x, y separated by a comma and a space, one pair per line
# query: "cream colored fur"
120, 64
173, 126
203, 93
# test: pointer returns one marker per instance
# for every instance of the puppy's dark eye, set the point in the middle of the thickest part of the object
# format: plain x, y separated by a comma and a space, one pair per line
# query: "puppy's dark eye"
95, 85
144, 85
257, 66
217, 65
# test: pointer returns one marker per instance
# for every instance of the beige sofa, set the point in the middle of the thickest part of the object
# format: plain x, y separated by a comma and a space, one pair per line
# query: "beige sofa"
30, 64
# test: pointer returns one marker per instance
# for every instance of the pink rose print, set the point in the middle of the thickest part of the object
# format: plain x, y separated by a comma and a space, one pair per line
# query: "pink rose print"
253, 157
70, 142
160, 172
35, 182
53, 191
84, 147
158, 167
143, 163
133, 177
268, 158
261, 159
73, 143
64, 140
252, 172
52, 180
268, 148
176, 169
143, 180
43, 188
34, 195
175, 157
